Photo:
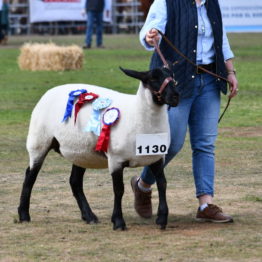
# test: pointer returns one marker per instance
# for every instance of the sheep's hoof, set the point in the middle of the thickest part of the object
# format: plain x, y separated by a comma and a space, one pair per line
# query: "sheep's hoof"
23, 216
24, 220
119, 224
92, 219
162, 222
93, 222
162, 227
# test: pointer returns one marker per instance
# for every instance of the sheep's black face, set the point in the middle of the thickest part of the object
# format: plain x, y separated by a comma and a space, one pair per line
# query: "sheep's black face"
161, 83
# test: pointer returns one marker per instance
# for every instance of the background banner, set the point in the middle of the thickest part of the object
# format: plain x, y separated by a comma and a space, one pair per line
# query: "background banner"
59, 10
238, 15
241, 15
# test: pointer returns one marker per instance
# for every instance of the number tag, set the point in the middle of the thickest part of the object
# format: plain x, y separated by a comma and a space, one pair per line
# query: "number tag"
151, 144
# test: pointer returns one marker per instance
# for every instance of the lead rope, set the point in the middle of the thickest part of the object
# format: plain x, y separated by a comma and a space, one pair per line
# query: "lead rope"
160, 53
188, 60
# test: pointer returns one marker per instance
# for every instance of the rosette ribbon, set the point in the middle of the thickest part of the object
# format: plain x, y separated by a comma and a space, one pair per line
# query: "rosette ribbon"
70, 102
110, 117
82, 99
94, 124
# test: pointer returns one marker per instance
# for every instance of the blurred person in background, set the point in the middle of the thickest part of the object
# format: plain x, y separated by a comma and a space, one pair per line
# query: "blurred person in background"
94, 9
4, 21
1, 7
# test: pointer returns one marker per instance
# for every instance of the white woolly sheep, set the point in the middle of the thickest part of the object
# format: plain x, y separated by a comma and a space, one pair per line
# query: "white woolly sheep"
143, 113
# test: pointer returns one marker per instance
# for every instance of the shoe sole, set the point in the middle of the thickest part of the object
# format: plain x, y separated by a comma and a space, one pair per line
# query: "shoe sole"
213, 220
132, 186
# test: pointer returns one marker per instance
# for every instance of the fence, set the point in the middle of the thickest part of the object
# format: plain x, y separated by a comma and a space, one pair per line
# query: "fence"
19, 18
126, 17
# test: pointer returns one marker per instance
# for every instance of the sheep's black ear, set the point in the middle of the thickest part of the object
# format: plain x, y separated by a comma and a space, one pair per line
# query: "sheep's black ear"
143, 76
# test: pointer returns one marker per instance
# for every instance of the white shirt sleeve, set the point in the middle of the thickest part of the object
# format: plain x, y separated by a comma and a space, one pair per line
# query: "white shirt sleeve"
156, 18
83, 2
227, 52
108, 5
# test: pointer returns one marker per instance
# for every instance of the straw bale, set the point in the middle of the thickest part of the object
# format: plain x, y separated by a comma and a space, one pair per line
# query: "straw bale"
50, 57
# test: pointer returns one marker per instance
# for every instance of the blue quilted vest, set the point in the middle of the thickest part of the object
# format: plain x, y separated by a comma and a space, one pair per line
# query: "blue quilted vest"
181, 30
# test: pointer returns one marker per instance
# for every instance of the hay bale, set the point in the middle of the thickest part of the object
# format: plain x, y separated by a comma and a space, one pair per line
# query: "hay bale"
50, 57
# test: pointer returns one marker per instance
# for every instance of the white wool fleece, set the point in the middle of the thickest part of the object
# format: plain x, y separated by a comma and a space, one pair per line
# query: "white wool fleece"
138, 115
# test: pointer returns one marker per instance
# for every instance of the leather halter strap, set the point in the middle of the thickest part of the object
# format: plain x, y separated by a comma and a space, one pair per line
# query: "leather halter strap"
168, 79
164, 84
162, 87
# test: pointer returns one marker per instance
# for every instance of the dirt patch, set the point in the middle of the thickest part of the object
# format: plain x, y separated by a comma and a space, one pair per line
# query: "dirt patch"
255, 131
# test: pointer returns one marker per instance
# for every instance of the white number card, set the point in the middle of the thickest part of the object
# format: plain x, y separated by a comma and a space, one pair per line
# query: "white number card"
152, 144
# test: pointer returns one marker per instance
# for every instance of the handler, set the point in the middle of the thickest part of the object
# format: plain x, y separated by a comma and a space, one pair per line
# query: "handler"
195, 27
4, 21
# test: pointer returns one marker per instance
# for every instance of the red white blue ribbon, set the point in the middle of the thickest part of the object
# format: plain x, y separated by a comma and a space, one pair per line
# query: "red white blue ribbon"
70, 102
110, 117
82, 99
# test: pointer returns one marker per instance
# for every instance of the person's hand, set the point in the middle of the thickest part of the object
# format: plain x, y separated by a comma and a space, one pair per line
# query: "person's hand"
234, 84
151, 36
83, 12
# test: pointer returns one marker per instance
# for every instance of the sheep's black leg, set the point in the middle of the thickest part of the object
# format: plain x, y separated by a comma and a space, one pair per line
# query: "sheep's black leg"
162, 213
76, 182
118, 186
30, 178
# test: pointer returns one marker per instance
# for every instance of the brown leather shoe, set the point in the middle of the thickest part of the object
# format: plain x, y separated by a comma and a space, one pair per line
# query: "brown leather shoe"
142, 204
213, 213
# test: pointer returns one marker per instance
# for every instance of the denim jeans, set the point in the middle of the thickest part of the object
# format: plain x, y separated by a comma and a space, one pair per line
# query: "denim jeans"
94, 18
200, 113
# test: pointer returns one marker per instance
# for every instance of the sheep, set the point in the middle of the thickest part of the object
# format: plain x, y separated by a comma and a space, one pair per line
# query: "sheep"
143, 113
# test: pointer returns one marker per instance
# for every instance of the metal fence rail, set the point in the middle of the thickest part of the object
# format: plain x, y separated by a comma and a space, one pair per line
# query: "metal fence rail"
19, 18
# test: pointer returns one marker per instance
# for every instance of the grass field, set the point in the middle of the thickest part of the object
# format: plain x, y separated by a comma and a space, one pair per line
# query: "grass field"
57, 233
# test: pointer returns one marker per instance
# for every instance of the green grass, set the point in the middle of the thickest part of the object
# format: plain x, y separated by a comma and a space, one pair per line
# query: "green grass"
22, 89
101, 67
56, 232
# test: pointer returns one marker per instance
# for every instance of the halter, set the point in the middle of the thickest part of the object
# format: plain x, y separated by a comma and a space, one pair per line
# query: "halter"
163, 86
168, 79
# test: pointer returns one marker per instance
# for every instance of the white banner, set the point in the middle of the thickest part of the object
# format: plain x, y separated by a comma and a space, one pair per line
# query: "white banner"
242, 15
238, 15
59, 10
